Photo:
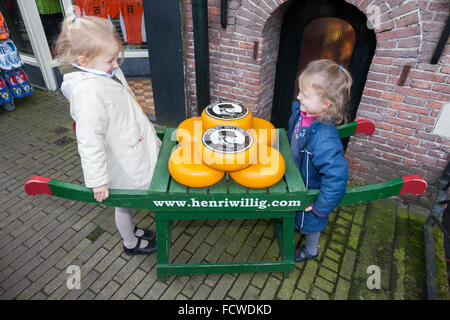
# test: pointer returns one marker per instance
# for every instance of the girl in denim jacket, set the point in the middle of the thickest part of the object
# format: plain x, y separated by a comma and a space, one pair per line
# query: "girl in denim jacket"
317, 150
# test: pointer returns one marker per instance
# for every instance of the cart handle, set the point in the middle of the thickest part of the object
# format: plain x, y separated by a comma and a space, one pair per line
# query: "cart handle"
143, 199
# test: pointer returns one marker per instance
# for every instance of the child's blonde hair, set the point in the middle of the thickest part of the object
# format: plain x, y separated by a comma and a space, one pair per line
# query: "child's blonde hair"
85, 36
331, 82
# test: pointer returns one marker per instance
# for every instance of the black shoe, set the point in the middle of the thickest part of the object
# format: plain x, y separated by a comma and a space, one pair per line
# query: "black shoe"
150, 248
148, 235
302, 255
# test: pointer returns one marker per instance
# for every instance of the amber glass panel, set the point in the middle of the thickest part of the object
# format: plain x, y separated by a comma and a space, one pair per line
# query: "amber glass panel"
327, 38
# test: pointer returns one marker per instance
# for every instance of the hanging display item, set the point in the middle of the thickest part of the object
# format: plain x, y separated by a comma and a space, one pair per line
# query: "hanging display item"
208, 147
13, 79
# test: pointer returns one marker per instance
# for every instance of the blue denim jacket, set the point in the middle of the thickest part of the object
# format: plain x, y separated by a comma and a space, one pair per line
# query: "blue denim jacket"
320, 157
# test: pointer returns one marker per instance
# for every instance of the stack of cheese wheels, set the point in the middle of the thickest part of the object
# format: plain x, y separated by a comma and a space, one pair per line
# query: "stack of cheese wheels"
228, 148
227, 114
226, 137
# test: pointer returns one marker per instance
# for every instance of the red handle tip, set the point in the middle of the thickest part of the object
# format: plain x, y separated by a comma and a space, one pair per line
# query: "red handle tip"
364, 126
37, 185
414, 184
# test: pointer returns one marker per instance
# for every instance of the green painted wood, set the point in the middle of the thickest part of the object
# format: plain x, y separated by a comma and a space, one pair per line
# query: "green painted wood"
176, 187
279, 233
142, 199
372, 192
162, 242
220, 187
258, 191
160, 133
232, 267
347, 130
279, 187
235, 188
160, 179
292, 175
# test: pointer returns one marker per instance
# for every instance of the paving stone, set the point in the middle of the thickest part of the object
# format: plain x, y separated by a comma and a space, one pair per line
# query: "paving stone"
107, 275
129, 285
324, 284
156, 291
308, 275
342, 289
146, 283
222, 287
240, 285
348, 264
202, 293
107, 291
318, 294
270, 289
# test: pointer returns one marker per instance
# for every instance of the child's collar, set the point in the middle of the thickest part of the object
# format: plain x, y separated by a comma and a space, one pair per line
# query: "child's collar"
306, 120
94, 71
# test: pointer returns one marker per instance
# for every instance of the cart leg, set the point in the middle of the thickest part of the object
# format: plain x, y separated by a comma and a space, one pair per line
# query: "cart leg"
162, 246
288, 241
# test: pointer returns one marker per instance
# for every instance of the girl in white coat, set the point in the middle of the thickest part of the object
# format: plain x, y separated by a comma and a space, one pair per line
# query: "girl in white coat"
117, 143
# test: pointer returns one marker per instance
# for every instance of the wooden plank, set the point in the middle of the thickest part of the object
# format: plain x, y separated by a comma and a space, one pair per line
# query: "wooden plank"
161, 174
235, 188
279, 187
219, 187
293, 177
231, 267
176, 187
258, 191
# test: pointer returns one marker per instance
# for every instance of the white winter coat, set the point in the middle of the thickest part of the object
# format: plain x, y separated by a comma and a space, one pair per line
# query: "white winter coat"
117, 143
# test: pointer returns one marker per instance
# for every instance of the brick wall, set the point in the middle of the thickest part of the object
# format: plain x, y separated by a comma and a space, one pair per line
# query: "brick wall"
407, 33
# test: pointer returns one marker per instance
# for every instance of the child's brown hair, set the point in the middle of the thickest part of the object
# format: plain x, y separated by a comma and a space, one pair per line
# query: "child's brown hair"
85, 36
331, 82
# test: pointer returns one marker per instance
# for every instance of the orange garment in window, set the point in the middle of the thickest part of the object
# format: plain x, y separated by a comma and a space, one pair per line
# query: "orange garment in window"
93, 7
3, 29
99, 8
113, 8
132, 13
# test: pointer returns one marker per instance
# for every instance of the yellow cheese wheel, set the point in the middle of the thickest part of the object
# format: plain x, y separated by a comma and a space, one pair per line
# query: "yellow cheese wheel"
227, 114
265, 132
228, 148
268, 170
186, 167
189, 130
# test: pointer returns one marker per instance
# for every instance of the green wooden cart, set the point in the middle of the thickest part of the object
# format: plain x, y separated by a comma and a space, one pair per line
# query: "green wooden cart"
227, 200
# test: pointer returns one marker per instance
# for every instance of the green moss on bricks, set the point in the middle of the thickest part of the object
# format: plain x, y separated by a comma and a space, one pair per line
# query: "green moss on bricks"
398, 263
415, 280
375, 249
440, 264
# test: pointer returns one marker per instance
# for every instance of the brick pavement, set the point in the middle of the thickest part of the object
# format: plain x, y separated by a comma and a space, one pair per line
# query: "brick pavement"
41, 237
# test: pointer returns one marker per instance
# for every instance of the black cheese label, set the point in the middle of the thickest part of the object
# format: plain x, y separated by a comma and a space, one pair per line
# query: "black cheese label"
227, 139
227, 111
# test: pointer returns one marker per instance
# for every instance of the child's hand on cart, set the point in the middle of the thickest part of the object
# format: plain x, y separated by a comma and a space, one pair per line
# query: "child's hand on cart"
101, 192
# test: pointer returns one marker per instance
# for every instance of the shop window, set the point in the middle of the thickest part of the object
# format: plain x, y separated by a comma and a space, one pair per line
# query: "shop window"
51, 18
126, 15
15, 25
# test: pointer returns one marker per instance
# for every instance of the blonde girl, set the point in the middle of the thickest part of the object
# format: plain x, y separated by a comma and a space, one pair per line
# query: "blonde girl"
117, 143
324, 90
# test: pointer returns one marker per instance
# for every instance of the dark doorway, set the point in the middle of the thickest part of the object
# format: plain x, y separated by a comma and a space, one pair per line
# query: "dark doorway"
321, 29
